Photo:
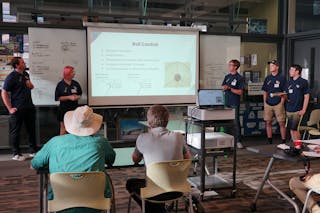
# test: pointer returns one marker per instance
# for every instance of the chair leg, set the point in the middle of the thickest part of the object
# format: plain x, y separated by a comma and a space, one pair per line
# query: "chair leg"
143, 206
177, 202
190, 204
304, 135
195, 165
129, 204
306, 201
113, 205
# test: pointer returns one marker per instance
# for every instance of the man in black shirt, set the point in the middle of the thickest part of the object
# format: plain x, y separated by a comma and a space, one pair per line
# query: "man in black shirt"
20, 107
233, 86
274, 104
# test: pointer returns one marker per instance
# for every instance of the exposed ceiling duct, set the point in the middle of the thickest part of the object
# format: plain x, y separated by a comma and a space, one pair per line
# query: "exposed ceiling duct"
129, 11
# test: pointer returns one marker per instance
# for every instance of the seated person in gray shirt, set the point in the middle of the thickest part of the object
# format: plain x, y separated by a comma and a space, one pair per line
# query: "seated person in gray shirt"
157, 145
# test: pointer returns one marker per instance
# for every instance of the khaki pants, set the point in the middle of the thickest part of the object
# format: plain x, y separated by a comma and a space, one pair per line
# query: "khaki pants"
277, 110
300, 188
294, 120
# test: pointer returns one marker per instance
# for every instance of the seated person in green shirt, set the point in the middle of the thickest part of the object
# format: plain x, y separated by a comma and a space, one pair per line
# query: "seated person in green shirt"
79, 151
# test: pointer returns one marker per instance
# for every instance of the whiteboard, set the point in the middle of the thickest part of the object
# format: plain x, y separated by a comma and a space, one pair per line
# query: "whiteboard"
215, 53
52, 49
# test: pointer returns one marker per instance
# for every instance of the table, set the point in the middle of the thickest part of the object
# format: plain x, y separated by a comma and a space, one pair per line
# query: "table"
173, 125
213, 181
43, 189
124, 158
275, 154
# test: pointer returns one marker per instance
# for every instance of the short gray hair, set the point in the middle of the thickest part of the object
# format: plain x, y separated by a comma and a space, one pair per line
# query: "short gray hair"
158, 116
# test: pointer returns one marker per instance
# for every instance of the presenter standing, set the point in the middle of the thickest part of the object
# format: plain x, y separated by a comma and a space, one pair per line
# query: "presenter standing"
233, 85
20, 107
68, 92
274, 104
298, 93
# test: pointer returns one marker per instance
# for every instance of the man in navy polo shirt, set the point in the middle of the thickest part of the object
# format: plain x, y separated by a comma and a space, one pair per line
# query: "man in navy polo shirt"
297, 90
233, 85
274, 104
20, 107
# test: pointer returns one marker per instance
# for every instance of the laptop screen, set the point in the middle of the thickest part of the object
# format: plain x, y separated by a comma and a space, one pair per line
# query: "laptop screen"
210, 98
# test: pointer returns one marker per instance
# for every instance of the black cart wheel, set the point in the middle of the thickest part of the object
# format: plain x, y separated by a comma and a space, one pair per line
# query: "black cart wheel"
253, 207
233, 193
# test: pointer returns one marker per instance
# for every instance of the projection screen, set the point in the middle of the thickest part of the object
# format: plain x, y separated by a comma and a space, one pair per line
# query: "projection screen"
141, 65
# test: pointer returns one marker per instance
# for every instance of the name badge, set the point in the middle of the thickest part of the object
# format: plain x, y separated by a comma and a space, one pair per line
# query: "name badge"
234, 82
276, 85
74, 90
290, 91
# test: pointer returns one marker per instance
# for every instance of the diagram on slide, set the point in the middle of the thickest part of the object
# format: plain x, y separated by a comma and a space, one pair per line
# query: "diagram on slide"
110, 84
177, 74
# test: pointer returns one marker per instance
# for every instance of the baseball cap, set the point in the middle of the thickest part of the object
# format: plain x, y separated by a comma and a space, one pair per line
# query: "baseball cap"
275, 62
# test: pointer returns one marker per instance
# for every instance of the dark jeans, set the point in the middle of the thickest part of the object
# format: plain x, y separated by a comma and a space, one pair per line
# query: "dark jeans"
28, 117
133, 186
237, 124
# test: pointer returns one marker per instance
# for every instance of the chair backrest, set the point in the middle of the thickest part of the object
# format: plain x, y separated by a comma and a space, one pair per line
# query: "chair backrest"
78, 189
164, 177
314, 117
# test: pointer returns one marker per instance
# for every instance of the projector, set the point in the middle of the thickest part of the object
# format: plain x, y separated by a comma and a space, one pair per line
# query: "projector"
214, 140
211, 114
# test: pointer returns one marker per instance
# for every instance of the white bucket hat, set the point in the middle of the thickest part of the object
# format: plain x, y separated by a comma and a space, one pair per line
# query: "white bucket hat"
82, 121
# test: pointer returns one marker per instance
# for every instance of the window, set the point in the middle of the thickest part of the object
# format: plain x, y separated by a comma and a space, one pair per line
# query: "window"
255, 57
6, 17
307, 15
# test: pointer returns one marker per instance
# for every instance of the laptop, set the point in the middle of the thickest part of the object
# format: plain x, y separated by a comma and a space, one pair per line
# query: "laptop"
210, 99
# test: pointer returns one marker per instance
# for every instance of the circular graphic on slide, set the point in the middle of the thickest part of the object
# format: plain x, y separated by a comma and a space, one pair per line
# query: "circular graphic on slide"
177, 77
177, 74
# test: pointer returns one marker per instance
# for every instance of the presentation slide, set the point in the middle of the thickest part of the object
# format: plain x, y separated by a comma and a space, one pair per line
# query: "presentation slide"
142, 67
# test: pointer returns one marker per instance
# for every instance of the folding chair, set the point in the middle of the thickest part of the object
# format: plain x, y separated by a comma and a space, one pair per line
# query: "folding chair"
307, 198
78, 189
167, 179
313, 121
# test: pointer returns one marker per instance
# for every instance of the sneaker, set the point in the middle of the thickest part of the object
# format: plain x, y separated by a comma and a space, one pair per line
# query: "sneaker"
19, 158
239, 145
31, 155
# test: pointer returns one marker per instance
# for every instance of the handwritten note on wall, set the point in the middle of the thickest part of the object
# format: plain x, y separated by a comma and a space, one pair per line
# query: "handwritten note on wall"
215, 52
51, 50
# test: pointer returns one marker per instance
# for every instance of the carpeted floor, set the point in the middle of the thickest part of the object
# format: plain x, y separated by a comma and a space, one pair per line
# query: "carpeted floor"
19, 186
